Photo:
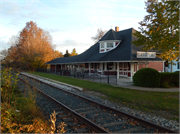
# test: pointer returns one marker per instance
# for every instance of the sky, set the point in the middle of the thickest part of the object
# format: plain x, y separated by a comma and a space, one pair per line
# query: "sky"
71, 23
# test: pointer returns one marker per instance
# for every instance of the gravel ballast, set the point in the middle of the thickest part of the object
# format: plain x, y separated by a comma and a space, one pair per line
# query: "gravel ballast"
174, 125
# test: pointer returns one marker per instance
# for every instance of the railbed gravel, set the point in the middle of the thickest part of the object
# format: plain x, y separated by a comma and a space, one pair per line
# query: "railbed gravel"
170, 124
47, 106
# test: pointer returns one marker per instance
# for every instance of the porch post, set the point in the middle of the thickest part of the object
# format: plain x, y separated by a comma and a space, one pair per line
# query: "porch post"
105, 66
123, 68
132, 70
89, 69
117, 70
78, 67
100, 66
137, 66
163, 66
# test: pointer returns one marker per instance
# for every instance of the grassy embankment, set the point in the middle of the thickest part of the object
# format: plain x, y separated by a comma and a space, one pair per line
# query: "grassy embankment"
19, 113
159, 103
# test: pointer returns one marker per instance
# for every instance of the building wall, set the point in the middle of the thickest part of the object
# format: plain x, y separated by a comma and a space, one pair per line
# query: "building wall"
155, 65
174, 67
52, 68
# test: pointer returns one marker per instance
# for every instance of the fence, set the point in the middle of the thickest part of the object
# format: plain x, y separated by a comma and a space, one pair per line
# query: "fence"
109, 79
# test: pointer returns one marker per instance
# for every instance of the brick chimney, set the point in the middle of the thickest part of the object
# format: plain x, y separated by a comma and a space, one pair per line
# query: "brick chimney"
116, 29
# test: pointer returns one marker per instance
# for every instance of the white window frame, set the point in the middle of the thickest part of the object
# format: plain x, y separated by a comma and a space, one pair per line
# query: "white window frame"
103, 45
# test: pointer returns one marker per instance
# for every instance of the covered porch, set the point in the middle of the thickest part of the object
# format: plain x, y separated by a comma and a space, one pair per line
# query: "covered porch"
117, 70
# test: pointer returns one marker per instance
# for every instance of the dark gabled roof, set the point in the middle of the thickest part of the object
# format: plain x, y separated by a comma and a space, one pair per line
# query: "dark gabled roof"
111, 35
125, 51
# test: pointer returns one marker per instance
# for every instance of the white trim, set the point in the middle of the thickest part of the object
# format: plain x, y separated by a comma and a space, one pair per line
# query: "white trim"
109, 41
101, 45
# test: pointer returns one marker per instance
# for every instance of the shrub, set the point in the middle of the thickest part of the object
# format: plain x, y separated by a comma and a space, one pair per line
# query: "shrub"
147, 77
8, 85
165, 84
20, 114
176, 72
171, 78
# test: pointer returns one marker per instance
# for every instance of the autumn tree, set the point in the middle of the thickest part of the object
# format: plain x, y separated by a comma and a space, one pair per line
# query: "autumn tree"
66, 54
99, 35
57, 54
73, 53
159, 29
32, 47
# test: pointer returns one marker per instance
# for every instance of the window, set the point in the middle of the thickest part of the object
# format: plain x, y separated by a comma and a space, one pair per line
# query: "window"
109, 45
102, 45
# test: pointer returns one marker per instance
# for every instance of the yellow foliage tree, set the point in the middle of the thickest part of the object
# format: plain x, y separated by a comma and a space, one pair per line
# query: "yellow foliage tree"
73, 53
32, 47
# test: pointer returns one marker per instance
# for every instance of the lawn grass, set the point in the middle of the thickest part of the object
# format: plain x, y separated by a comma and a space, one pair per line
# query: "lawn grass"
148, 101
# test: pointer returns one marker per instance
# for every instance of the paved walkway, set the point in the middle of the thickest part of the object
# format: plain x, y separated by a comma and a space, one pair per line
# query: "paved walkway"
133, 87
151, 89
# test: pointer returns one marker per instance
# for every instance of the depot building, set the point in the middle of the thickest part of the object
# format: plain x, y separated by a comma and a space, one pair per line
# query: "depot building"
115, 53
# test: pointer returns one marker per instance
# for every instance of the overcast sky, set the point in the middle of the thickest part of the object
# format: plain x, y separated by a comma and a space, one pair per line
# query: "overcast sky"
71, 23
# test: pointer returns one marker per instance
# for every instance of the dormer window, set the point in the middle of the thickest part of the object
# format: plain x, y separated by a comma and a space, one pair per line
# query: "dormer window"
106, 46
102, 45
110, 45
109, 41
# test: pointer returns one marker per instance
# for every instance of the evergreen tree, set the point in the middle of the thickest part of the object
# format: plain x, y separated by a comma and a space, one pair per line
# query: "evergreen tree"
66, 54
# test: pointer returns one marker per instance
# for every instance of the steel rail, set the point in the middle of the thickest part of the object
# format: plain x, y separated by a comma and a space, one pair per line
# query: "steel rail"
73, 113
120, 113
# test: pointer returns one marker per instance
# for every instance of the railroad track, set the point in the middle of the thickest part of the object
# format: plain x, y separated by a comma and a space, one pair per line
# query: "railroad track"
76, 123
99, 118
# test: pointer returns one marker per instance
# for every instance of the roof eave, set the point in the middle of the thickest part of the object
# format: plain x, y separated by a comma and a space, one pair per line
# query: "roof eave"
110, 41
